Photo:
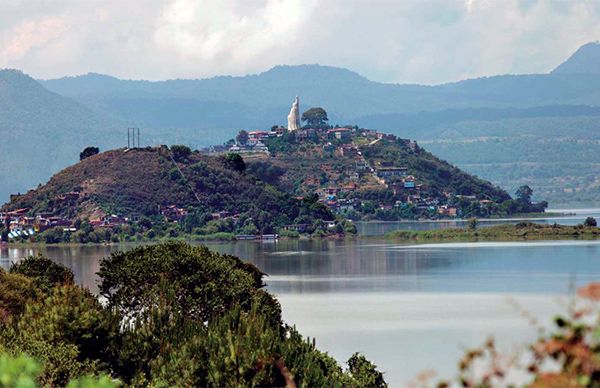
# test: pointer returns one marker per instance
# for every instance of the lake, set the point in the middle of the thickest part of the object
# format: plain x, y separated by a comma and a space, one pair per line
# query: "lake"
409, 308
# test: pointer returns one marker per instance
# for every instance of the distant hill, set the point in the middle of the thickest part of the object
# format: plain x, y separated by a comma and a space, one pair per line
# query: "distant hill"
139, 182
263, 100
457, 121
586, 60
41, 132
557, 112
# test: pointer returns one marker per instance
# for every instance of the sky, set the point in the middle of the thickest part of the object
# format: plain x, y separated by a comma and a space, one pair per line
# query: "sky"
410, 41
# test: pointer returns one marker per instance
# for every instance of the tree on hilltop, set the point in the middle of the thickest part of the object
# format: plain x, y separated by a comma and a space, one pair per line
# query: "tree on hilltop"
180, 152
88, 151
524, 194
315, 117
242, 137
235, 162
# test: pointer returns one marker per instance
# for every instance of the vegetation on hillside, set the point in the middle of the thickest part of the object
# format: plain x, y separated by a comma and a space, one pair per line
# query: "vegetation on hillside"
141, 183
175, 315
313, 164
519, 231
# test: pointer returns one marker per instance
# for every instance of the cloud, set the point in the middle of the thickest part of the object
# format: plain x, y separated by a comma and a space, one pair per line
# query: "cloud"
429, 41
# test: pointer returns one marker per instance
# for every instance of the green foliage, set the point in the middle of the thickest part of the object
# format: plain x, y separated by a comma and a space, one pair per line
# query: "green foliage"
45, 273
472, 223
364, 372
315, 117
520, 231
524, 194
24, 372
206, 283
16, 291
234, 162
53, 235
265, 171
205, 185
88, 151
102, 381
281, 144
69, 332
180, 152
242, 137
175, 315
18, 372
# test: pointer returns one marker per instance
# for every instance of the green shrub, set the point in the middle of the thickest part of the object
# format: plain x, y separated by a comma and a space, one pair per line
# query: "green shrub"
206, 283
18, 371
45, 273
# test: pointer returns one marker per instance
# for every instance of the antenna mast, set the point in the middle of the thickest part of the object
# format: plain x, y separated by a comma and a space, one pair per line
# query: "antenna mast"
131, 137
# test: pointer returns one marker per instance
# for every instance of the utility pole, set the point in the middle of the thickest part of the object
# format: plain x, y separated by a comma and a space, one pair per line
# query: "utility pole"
131, 139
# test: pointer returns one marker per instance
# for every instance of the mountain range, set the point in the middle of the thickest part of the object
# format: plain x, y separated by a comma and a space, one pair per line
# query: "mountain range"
540, 129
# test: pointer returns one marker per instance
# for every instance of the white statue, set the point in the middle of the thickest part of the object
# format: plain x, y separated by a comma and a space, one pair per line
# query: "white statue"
294, 116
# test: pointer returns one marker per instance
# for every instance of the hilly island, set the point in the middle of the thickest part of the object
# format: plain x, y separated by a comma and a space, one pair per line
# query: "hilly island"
314, 180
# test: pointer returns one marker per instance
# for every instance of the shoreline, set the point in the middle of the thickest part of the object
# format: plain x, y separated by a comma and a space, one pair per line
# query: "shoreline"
439, 235
526, 231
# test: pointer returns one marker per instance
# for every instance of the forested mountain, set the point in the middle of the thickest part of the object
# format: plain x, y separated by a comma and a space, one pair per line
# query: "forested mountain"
41, 132
259, 99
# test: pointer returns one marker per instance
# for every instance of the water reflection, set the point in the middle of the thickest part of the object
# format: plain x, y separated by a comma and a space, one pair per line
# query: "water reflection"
408, 307
354, 266
378, 228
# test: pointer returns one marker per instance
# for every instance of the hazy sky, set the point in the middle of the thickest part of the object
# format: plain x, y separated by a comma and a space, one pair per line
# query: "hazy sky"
411, 41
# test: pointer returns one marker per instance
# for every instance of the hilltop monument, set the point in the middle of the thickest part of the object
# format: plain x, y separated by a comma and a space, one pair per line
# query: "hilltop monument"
294, 116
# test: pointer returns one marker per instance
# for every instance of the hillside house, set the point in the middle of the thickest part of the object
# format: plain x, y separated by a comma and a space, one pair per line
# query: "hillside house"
172, 213
305, 133
348, 150
340, 133
362, 165
300, 228
409, 183
255, 137
390, 172
279, 131
70, 197
328, 147
446, 210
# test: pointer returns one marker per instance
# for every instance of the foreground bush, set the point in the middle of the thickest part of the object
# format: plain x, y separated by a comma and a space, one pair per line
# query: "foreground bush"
175, 315
566, 357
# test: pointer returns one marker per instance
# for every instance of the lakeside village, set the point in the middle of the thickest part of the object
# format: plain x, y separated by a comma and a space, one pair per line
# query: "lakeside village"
342, 142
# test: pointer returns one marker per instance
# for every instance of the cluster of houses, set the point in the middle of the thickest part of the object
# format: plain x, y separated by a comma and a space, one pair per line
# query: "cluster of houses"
337, 141
19, 223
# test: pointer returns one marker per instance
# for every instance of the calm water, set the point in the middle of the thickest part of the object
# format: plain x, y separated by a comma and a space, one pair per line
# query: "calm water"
378, 228
408, 307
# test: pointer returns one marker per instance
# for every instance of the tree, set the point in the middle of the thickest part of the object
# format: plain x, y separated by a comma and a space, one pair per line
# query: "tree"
174, 315
88, 151
315, 117
45, 273
473, 222
204, 283
524, 194
242, 137
365, 373
590, 221
235, 162
180, 152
